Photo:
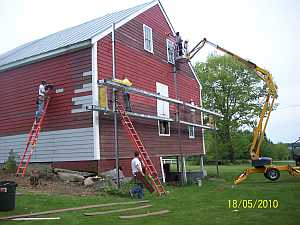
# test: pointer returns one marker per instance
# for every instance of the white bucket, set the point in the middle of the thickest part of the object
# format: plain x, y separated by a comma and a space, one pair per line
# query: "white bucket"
199, 182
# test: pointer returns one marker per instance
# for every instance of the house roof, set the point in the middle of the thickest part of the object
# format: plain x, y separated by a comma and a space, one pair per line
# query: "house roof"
68, 39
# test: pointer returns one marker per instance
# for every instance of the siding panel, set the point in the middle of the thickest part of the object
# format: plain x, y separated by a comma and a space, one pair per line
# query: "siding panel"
144, 70
18, 90
60, 145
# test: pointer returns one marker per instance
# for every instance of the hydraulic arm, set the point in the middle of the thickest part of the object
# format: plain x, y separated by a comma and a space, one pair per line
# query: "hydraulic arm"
259, 163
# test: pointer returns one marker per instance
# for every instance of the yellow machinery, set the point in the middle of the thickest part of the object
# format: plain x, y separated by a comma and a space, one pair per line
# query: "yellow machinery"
260, 164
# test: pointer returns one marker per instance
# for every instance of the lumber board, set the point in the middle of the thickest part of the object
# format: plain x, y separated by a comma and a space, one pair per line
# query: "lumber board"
35, 218
117, 210
72, 209
145, 214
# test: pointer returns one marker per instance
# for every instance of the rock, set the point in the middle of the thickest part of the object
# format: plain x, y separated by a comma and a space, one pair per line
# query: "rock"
113, 174
89, 181
34, 178
70, 177
84, 174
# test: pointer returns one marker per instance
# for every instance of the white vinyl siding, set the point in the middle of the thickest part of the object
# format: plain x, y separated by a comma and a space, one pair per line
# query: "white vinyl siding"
162, 106
170, 51
148, 40
53, 146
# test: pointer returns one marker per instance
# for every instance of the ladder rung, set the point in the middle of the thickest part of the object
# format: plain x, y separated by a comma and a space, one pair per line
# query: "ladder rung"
153, 175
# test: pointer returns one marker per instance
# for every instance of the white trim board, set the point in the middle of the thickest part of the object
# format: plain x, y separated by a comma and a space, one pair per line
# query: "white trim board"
122, 22
95, 101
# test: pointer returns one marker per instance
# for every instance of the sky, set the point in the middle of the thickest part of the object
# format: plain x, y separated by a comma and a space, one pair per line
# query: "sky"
267, 32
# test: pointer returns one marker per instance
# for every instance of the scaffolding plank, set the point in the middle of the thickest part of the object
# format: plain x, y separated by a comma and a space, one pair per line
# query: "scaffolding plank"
154, 95
95, 108
196, 125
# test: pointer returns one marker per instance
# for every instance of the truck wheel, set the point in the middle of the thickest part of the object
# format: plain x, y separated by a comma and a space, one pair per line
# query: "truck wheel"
272, 174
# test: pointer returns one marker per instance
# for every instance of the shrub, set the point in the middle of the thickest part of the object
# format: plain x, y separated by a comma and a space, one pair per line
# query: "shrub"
10, 165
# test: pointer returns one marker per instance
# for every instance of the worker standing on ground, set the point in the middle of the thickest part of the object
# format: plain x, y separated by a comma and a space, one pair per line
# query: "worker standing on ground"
136, 168
41, 99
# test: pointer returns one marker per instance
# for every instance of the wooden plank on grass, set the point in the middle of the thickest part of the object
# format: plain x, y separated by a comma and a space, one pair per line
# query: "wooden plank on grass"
145, 214
72, 209
117, 210
35, 218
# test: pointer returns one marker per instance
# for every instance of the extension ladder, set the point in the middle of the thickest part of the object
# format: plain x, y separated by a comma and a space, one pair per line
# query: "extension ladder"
151, 171
31, 141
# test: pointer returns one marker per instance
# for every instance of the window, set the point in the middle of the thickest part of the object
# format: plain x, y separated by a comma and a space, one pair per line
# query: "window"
148, 41
162, 106
191, 131
170, 51
163, 128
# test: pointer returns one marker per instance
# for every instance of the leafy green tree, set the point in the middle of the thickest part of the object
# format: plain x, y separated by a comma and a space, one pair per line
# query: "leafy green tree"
234, 90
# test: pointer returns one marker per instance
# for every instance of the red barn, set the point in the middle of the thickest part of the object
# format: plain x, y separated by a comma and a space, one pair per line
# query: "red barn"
73, 60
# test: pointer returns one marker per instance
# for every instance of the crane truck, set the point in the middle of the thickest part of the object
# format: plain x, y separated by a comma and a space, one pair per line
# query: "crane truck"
259, 164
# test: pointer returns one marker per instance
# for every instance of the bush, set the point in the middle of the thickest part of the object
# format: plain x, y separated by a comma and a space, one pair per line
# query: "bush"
122, 192
10, 165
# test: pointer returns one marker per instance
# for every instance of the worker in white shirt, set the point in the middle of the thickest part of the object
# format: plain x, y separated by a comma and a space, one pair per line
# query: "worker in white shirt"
136, 168
41, 99
136, 165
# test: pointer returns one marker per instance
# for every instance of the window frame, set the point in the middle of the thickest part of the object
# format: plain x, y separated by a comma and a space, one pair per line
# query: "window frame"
169, 132
169, 59
160, 89
191, 134
151, 38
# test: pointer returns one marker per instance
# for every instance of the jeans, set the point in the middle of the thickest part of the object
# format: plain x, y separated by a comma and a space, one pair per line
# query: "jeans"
127, 102
40, 108
138, 191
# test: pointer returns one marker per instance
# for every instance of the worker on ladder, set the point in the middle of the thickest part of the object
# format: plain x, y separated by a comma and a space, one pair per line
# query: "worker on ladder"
43, 90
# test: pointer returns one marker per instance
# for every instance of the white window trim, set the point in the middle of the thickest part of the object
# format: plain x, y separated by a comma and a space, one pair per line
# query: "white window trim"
190, 135
172, 61
145, 48
164, 104
166, 135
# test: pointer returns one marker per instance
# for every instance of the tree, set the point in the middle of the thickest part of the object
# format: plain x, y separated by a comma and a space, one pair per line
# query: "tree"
234, 90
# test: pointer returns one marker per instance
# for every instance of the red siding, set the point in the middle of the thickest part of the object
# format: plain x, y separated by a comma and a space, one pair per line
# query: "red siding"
88, 166
125, 164
144, 70
102, 165
19, 91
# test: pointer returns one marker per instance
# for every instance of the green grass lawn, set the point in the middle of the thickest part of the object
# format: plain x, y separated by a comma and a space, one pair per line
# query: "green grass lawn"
188, 205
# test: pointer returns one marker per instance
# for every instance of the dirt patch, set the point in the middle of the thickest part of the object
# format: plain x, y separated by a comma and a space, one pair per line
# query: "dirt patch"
52, 185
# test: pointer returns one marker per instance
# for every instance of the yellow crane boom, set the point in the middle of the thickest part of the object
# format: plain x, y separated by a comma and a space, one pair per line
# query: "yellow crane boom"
259, 163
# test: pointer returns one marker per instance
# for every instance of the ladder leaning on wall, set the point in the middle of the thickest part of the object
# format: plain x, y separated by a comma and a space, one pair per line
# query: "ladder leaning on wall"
150, 169
31, 141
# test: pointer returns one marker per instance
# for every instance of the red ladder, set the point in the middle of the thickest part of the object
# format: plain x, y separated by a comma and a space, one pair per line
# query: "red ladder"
31, 141
151, 171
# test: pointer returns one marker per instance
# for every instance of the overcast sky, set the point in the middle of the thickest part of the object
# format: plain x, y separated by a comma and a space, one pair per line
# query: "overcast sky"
265, 31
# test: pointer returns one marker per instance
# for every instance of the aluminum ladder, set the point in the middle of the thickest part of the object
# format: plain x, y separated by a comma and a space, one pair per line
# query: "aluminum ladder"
31, 141
150, 169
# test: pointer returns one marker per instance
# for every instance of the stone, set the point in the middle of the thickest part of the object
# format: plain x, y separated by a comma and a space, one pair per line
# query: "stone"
70, 177
89, 181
